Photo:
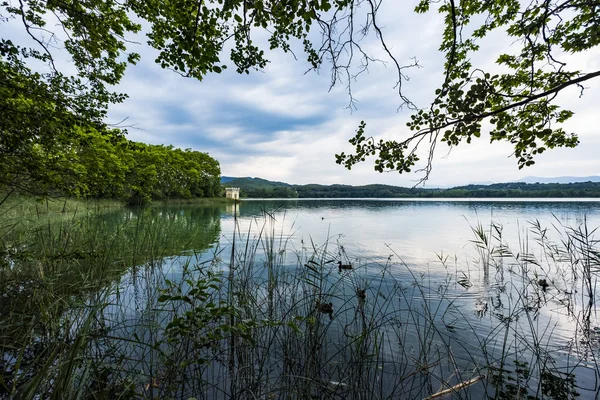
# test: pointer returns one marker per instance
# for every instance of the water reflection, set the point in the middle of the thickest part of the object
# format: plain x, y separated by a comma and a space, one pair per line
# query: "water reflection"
232, 209
453, 288
54, 283
488, 292
439, 296
416, 231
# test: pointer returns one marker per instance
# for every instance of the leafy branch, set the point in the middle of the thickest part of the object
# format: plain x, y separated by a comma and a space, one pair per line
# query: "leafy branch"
519, 103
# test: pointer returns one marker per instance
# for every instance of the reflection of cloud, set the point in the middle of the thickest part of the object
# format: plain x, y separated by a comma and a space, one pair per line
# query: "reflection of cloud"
286, 125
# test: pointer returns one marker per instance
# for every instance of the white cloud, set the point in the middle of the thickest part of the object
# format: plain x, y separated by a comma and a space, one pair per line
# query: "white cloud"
283, 124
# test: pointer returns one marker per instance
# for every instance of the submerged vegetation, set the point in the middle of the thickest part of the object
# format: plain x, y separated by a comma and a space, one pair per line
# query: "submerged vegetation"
103, 304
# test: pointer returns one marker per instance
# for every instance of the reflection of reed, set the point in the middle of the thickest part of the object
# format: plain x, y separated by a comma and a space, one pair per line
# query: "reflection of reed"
230, 292
291, 322
537, 279
71, 262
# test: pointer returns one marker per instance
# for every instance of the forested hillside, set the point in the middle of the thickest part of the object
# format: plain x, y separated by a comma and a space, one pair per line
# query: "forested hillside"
261, 188
522, 189
89, 163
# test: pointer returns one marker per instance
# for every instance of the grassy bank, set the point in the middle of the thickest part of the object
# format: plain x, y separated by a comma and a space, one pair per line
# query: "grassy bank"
21, 206
18, 206
60, 263
195, 201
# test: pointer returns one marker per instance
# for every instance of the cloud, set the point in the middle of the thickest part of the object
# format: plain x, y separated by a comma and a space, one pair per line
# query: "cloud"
286, 124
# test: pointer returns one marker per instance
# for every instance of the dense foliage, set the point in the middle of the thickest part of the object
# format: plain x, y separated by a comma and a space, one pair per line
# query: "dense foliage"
54, 139
88, 163
517, 95
44, 101
161, 172
260, 188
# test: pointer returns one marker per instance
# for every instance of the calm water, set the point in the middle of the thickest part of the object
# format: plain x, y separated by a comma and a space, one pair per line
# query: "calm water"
415, 230
422, 263
490, 298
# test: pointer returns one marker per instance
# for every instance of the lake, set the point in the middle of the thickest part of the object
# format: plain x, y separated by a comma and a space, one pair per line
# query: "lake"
415, 229
357, 298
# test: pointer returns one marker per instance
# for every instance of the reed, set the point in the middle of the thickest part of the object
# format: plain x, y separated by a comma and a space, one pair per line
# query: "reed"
52, 272
116, 311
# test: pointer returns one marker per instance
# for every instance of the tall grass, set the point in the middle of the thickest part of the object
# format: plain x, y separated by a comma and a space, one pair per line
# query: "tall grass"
262, 318
56, 276
28, 207
386, 336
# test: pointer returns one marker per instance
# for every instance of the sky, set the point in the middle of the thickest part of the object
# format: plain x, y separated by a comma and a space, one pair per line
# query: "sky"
285, 124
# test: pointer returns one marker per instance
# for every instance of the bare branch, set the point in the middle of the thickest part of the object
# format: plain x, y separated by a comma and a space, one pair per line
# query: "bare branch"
29, 28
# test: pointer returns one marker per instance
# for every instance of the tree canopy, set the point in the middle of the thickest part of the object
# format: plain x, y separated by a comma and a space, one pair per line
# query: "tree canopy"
518, 102
106, 165
44, 105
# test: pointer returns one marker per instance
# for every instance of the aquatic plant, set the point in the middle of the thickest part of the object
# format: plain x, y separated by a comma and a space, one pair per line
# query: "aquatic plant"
262, 318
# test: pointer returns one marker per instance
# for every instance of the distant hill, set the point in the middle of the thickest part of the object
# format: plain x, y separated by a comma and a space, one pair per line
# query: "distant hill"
257, 187
366, 191
255, 183
262, 188
560, 179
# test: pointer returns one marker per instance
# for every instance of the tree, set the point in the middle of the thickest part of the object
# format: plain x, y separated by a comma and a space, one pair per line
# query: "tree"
518, 102
45, 104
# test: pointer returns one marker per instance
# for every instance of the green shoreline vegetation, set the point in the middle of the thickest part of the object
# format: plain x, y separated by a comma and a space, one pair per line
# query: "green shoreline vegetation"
77, 235
262, 188
21, 205
262, 318
105, 165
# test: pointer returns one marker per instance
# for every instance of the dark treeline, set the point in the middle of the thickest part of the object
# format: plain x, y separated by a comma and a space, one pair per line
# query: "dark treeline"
90, 163
260, 188
521, 189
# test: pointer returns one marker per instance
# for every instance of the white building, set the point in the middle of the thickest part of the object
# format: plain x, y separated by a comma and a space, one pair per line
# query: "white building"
232, 193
